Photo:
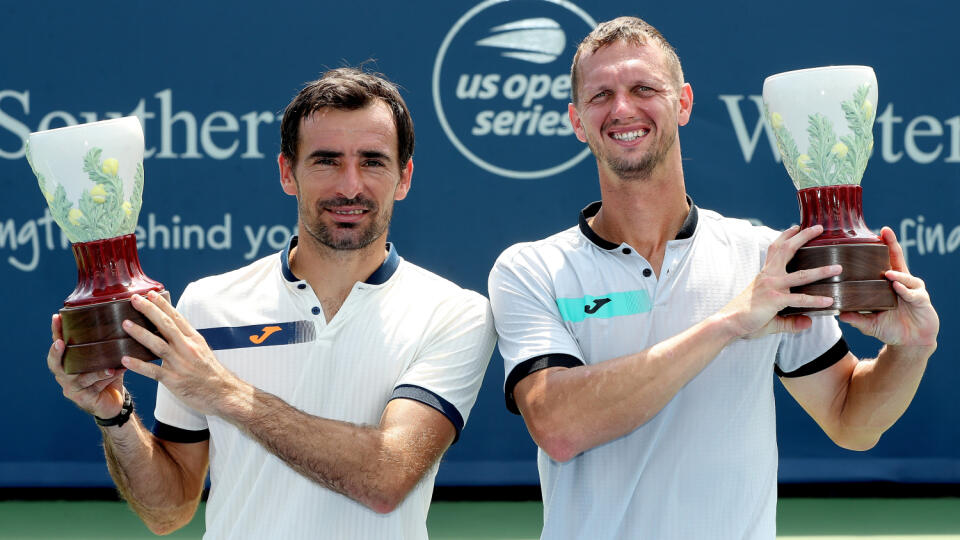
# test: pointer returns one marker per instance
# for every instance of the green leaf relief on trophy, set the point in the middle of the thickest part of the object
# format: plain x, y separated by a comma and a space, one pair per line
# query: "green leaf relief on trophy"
101, 211
66, 217
828, 161
789, 154
859, 113
824, 165
131, 207
40, 180
136, 197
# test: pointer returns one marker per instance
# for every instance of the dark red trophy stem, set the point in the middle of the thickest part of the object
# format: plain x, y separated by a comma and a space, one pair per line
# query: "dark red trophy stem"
108, 270
840, 210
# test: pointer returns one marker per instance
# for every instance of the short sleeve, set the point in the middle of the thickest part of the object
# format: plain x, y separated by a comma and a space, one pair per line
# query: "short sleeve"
812, 350
448, 373
531, 331
176, 421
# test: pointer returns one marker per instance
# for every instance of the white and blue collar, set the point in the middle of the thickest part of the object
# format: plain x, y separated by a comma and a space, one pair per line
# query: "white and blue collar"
378, 277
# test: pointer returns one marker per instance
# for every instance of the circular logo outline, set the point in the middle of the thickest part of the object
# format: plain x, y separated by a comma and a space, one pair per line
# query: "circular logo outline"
438, 106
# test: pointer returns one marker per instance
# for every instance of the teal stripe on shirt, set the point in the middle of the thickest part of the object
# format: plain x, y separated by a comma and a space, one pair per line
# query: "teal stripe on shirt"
616, 305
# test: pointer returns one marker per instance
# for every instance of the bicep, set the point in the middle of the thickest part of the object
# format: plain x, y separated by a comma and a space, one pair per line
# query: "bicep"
822, 394
416, 433
191, 459
532, 396
531, 391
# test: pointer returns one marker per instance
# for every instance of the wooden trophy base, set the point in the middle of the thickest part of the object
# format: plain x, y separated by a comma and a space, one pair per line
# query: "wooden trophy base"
860, 287
95, 340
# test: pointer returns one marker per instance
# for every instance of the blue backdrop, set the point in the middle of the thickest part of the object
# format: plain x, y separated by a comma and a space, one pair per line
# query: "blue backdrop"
495, 164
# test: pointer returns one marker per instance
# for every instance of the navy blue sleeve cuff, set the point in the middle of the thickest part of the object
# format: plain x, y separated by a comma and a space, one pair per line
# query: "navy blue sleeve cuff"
825, 360
533, 365
418, 393
179, 435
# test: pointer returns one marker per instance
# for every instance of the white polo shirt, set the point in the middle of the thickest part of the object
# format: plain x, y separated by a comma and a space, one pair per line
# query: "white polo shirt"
706, 465
403, 333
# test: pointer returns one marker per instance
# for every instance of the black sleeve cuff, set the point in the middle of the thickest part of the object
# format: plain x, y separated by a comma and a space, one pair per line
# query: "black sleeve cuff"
533, 365
418, 393
825, 360
179, 435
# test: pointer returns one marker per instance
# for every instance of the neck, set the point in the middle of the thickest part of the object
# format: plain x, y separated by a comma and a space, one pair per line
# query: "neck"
331, 273
645, 214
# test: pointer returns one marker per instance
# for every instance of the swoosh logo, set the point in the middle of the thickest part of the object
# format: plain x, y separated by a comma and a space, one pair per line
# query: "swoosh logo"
597, 304
267, 332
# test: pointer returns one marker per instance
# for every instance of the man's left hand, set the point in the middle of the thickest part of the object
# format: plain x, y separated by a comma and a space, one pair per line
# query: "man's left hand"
914, 323
189, 368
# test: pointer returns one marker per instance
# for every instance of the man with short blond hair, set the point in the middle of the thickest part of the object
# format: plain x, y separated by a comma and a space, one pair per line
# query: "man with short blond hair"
640, 345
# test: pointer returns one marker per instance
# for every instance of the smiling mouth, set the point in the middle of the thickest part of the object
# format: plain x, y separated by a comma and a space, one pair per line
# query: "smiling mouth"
628, 136
347, 212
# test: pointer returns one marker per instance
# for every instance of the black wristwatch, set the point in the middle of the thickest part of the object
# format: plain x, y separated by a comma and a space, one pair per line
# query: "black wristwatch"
121, 418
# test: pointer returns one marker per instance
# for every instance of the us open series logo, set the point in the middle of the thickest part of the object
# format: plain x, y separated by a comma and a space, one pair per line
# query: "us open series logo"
501, 84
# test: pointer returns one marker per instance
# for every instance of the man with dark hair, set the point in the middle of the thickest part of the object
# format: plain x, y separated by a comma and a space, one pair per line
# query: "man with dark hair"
640, 345
326, 380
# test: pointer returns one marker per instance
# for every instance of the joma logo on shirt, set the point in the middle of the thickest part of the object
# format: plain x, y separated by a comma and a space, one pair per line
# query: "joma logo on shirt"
267, 331
597, 304
223, 338
606, 306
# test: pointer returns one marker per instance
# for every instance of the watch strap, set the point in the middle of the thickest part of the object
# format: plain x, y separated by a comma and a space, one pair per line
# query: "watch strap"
124, 415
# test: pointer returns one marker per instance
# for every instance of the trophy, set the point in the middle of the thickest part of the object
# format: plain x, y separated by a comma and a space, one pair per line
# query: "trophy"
823, 122
92, 178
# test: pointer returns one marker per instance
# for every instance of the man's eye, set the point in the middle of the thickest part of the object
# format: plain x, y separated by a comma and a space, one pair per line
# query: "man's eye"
601, 95
373, 163
325, 161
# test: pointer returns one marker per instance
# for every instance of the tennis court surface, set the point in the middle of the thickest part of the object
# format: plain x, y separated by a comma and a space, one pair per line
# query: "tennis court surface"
798, 519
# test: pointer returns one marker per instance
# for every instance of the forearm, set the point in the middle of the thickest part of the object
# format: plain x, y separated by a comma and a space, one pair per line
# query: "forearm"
879, 392
580, 408
360, 462
149, 478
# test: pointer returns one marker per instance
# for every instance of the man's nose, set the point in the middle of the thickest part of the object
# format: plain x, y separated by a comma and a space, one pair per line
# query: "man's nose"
623, 106
350, 184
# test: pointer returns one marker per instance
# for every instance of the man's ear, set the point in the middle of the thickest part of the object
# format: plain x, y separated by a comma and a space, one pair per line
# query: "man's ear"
576, 123
686, 104
403, 186
287, 180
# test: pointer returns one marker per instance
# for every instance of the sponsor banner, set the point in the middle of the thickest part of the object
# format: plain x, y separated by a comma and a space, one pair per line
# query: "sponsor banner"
496, 163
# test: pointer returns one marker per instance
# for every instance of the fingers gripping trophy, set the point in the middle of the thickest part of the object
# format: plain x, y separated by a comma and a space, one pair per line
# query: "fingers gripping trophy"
92, 178
823, 122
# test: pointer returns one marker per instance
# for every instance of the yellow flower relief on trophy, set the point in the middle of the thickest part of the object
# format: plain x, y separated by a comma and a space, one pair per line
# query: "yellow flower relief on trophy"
803, 161
127, 207
867, 107
776, 120
98, 194
111, 166
75, 215
839, 149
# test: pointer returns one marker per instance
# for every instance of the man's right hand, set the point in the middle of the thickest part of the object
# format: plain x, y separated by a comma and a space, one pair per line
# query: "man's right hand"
100, 393
754, 311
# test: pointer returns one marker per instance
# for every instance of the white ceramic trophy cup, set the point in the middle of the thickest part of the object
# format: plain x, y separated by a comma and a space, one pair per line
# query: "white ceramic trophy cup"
92, 178
823, 122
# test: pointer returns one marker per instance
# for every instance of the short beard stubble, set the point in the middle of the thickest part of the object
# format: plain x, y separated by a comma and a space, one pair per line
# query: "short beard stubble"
636, 169
326, 235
